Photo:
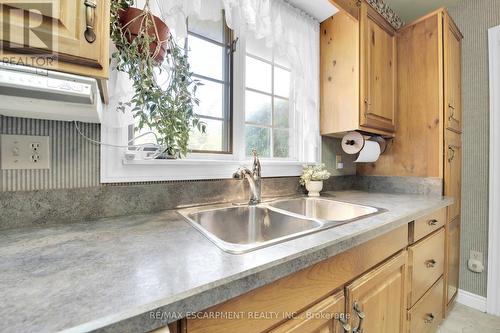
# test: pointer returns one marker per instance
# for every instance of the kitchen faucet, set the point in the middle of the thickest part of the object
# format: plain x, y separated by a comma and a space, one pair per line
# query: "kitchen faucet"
254, 179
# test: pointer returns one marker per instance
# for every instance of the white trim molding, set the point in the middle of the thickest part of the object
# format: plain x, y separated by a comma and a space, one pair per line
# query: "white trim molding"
471, 300
493, 293
116, 169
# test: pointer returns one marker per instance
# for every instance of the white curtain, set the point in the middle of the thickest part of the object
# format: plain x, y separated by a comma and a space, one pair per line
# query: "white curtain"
289, 31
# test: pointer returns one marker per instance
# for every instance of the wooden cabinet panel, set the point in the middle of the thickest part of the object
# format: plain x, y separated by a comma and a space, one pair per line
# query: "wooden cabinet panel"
301, 290
358, 72
427, 314
339, 47
58, 28
321, 318
453, 172
453, 79
428, 224
380, 295
426, 260
378, 69
452, 258
417, 149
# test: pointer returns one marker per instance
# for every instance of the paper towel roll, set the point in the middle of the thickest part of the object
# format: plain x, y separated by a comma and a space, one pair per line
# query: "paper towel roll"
370, 152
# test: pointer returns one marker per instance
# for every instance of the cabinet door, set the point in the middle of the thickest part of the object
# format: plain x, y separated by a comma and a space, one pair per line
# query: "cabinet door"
378, 71
380, 298
453, 172
324, 317
58, 28
452, 77
453, 258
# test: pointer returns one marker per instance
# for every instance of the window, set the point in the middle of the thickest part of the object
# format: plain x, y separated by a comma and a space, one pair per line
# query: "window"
210, 55
208, 47
268, 111
247, 100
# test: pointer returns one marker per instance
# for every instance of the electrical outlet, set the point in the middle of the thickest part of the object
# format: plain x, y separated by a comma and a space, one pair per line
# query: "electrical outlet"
475, 262
24, 152
338, 162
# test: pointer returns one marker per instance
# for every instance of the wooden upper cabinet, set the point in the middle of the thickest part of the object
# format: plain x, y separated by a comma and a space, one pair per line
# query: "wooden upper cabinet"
452, 77
358, 72
379, 297
453, 172
428, 99
378, 68
324, 317
76, 33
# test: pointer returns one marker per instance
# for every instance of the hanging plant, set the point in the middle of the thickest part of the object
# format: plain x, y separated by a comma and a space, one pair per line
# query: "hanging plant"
146, 50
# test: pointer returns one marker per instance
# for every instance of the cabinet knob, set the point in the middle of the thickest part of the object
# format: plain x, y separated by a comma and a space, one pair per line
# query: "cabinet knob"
432, 222
431, 263
361, 317
429, 318
90, 6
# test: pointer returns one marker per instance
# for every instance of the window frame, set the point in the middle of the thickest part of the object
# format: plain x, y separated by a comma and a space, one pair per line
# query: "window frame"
292, 149
228, 83
196, 166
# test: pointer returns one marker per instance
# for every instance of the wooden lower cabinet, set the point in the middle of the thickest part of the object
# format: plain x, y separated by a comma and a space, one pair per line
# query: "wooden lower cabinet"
376, 301
427, 314
365, 289
301, 290
452, 259
325, 317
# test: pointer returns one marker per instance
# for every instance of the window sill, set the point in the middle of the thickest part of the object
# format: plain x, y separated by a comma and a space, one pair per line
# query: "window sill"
115, 169
158, 170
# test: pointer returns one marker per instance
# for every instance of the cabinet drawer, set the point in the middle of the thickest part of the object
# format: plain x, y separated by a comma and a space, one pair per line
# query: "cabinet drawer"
427, 314
426, 262
428, 224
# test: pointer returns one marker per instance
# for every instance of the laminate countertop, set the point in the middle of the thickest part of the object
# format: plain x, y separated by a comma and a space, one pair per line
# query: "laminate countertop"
133, 273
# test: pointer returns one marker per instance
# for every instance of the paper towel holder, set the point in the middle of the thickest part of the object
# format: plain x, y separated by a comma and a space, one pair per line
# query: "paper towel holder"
353, 142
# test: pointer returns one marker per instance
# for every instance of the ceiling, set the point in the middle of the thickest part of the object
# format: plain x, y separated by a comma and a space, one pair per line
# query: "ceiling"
319, 9
410, 10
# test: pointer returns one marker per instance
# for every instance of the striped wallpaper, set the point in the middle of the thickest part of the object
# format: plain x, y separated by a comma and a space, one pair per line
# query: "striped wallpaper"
474, 18
74, 161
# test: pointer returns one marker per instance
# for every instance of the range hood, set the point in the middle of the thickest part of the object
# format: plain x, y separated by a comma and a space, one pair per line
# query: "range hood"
43, 94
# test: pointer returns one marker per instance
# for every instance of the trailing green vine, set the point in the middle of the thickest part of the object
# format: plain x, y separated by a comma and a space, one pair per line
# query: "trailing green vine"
167, 109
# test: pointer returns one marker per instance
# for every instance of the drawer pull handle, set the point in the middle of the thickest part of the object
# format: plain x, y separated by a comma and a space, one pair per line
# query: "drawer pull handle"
90, 6
429, 318
432, 222
361, 317
430, 263
345, 325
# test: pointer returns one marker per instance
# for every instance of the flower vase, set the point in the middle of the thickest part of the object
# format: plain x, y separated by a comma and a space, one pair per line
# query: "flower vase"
314, 187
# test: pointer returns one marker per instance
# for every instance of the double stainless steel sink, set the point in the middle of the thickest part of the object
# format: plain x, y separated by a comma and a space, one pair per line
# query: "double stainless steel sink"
240, 229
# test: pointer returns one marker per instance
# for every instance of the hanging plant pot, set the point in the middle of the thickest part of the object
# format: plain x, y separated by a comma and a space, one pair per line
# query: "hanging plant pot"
133, 21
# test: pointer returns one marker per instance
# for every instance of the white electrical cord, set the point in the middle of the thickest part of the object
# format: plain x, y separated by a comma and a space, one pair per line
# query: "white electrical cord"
138, 148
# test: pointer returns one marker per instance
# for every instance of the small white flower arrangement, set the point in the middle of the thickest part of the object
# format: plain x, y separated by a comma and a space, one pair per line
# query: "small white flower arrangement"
316, 172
